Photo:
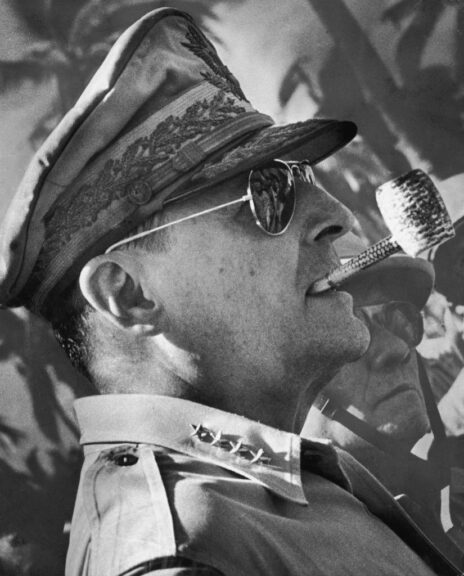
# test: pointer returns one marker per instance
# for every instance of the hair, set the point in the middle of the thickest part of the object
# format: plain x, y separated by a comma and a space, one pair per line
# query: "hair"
71, 320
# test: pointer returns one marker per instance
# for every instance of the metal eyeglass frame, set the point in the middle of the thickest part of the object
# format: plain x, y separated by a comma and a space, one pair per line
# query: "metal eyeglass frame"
301, 169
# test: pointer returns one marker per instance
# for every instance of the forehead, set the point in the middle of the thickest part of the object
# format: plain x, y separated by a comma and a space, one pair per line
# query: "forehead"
207, 196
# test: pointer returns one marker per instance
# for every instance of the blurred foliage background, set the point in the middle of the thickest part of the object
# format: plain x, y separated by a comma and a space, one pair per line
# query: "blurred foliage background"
395, 67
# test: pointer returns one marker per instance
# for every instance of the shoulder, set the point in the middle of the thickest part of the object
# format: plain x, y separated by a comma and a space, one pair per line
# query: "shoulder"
213, 509
138, 503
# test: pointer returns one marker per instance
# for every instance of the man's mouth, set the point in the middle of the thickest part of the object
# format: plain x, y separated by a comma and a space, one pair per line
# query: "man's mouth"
331, 290
329, 286
396, 391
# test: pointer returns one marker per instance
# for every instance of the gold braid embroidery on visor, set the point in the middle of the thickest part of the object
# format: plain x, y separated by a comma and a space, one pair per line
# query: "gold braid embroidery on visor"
127, 176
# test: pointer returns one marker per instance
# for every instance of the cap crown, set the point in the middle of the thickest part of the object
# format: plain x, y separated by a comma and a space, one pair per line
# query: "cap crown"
161, 113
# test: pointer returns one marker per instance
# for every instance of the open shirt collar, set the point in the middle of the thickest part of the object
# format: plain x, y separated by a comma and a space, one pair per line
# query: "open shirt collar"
261, 453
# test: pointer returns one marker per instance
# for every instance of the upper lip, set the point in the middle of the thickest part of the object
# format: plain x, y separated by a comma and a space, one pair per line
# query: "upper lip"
333, 262
392, 393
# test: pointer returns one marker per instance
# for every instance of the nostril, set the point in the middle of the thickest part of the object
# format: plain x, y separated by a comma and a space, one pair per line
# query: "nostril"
334, 230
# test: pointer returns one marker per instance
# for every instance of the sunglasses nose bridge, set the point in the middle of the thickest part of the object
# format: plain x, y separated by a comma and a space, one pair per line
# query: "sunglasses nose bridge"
405, 320
387, 351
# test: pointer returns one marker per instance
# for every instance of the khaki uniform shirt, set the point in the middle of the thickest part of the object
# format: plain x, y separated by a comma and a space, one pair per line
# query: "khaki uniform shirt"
171, 487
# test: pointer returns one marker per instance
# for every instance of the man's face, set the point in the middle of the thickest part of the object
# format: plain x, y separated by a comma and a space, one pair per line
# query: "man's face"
381, 388
236, 298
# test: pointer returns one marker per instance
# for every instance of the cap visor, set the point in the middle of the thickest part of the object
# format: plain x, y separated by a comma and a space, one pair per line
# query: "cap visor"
312, 140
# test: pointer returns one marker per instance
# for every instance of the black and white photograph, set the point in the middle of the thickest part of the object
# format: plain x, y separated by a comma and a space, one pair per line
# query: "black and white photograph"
232, 288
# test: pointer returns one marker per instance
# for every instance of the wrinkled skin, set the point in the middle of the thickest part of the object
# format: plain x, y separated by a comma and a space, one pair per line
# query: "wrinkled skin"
382, 388
227, 317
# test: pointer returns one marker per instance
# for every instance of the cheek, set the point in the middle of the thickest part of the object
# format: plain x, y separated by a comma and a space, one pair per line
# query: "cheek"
243, 275
234, 279
211, 282
231, 289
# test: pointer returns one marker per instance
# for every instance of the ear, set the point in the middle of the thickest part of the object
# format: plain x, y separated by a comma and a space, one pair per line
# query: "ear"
113, 285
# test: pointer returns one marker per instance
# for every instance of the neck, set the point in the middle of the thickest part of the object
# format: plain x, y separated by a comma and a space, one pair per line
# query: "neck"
281, 403
307, 399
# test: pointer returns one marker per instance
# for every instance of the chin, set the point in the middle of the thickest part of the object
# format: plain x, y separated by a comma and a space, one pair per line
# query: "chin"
337, 341
352, 342
409, 430
340, 354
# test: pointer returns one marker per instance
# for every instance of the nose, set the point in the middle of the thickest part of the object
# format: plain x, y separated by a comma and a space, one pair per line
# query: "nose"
326, 216
386, 351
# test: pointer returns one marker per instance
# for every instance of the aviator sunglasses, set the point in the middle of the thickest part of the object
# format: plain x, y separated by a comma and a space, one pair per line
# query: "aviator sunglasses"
402, 319
271, 195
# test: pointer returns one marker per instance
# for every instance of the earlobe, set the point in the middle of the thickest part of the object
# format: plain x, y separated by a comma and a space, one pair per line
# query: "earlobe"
112, 285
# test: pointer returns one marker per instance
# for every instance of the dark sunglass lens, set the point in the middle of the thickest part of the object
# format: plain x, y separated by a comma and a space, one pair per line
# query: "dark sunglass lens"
405, 320
273, 197
304, 171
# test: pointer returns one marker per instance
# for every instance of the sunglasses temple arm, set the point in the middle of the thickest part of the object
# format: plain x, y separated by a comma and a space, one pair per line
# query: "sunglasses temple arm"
168, 224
